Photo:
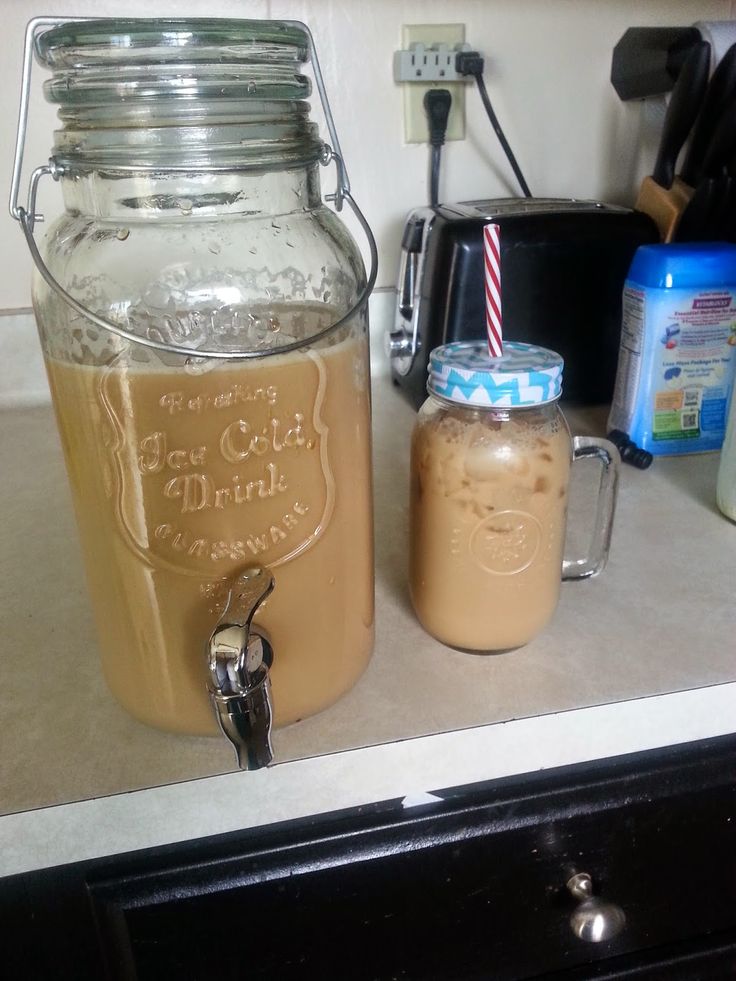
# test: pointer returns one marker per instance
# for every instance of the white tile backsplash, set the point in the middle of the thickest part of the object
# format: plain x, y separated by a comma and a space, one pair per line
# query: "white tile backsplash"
547, 70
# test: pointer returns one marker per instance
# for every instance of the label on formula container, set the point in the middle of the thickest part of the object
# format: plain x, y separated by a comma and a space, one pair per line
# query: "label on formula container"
676, 368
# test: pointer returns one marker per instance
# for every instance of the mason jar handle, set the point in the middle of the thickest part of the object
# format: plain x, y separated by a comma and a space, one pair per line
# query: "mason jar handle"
28, 216
585, 448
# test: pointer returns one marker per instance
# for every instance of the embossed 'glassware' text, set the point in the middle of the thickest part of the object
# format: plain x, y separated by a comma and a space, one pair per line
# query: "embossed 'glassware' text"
194, 218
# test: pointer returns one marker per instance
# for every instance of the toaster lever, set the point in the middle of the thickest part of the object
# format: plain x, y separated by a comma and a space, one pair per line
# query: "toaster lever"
411, 240
402, 338
411, 246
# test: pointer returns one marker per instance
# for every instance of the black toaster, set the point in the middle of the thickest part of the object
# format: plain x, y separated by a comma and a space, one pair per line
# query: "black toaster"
563, 266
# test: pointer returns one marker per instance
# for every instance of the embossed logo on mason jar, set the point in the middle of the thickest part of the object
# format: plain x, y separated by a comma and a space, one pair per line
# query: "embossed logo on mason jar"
224, 466
506, 542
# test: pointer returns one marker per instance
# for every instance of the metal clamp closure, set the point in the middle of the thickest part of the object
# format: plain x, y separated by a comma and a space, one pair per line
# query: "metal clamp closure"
41, 23
343, 181
16, 210
343, 185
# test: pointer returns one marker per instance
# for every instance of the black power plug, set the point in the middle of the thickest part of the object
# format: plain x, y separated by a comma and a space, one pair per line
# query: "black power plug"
437, 103
469, 63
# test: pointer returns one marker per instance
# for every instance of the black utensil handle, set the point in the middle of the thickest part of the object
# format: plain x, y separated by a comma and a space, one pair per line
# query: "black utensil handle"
722, 145
685, 101
700, 214
720, 92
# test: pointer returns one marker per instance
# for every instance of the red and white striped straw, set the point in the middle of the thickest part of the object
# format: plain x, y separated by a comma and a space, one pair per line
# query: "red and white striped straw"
492, 272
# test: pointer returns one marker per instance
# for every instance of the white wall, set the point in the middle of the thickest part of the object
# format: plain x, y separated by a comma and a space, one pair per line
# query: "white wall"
547, 70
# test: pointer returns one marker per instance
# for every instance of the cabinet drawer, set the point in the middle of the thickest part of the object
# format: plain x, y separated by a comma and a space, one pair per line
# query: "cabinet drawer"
470, 887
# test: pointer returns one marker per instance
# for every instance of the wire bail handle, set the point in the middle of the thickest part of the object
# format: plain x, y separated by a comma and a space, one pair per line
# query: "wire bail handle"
16, 210
28, 216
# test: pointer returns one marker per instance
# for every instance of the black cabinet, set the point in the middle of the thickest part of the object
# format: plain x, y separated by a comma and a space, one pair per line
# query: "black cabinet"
469, 887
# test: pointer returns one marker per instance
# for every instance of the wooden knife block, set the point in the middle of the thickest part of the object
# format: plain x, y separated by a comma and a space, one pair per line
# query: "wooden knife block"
664, 205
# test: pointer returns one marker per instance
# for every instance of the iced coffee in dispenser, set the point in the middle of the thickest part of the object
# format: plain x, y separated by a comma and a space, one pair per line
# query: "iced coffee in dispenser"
203, 319
490, 466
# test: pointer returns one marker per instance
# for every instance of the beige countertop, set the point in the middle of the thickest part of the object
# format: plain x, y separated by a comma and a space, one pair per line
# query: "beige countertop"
659, 620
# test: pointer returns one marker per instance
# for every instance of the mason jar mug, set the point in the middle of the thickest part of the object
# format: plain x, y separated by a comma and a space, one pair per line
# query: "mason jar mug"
490, 468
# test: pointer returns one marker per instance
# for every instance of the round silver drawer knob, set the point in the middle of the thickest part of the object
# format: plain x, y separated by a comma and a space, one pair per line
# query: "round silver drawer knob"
594, 919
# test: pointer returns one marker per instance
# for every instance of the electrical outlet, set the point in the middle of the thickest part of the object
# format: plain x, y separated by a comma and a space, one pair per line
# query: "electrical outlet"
415, 119
422, 64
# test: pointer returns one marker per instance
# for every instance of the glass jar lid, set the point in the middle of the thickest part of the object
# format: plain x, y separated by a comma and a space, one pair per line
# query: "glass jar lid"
135, 92
525, 375
104, 61
76, 44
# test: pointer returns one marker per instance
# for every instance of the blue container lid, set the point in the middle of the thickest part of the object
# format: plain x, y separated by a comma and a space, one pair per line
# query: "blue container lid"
689, 265
525, 375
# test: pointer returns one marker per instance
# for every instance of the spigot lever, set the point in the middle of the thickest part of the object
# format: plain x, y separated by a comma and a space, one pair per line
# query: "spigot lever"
239, 658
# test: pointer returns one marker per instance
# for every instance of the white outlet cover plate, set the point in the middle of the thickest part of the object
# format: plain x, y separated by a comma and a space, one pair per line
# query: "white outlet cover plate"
415, 119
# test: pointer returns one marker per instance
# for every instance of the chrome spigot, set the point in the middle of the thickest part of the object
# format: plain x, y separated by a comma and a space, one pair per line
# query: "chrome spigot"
239, 661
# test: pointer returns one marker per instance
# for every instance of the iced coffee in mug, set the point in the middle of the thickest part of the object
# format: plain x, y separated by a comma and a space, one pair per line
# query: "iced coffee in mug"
490, 467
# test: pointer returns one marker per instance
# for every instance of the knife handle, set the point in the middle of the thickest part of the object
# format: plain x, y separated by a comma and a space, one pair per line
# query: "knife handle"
722, 145
720, 92
685, 101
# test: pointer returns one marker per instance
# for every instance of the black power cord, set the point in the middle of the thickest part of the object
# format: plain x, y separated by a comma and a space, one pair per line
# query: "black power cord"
471, 63
437, 104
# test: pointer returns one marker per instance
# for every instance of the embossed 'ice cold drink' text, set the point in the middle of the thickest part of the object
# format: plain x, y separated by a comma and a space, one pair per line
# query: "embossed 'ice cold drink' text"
180, 478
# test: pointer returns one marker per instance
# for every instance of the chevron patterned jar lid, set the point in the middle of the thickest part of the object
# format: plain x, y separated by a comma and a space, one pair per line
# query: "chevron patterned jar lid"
524, 375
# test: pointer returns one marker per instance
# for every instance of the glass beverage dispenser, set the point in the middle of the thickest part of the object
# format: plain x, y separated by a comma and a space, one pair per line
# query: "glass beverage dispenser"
203, 317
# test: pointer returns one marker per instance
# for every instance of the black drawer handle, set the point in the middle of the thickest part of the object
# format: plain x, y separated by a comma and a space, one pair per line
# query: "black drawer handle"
594, 919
